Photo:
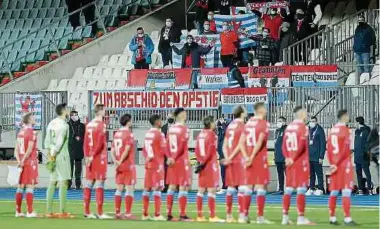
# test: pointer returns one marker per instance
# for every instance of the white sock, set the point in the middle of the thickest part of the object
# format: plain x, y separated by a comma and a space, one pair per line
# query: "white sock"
347, 219
332, 218
301, 218
260, 218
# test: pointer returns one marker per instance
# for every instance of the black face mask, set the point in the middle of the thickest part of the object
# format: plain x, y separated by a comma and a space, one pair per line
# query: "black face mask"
299, 16
170, 120
361, 23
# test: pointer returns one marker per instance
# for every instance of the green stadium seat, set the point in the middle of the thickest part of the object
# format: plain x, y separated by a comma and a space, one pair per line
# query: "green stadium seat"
21, 5
100, 2
12, 4
45, 43
6, 34
63, 43
12, 56
4, 4
26, 44
87, 31
24, 14
28, 23
42, 13
41, 33
55, 4
29, 4
118, 2
23, 33
47, 3
21, 55
50, 12
20, 24
37, 23
14, 34
134, 7
2, 43
145, 3
11, 24
62, 3
155, 2
46, 22
40, 55
33, 13
38, 4
60, 12
108, 2
59, 32
68, 32
16, 14
30, 57
17, 45
1, 14
36, 43
77, 35
3, 24
7, 14
64, 22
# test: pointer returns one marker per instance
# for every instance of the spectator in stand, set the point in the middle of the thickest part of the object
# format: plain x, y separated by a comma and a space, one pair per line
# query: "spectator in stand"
272, 21
362, 158
286, 39
314, 13
76, 137
301, 29
235, 78
364, 38
210, 18
265, 48
169, 33
142, 47
191, 52
224, 7
229, 41
206, 29
201, 9
88, 12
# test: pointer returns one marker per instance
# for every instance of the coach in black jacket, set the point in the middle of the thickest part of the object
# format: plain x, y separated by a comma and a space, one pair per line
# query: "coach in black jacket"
76, 136
279, 158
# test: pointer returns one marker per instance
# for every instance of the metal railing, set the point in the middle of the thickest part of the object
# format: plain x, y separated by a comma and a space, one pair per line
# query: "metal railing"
50, 42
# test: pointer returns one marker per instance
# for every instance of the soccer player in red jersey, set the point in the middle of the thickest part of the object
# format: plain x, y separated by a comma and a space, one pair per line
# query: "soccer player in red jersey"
26, 155
154, 151
235, 156
209, 175
95, 151
296, 153
179, 170
123, 154
339, 156
257, 169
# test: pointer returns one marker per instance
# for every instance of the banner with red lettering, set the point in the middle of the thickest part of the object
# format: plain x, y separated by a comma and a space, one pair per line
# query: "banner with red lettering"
269, 76
148, 100
266, 5
315, 76
159, 79
232, 97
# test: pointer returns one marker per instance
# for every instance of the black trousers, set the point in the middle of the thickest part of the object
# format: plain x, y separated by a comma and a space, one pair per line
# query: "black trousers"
89, 13
281, 175
73, 5
223, 176
359, 173
316, 171
76, 165
226, 60
141, 65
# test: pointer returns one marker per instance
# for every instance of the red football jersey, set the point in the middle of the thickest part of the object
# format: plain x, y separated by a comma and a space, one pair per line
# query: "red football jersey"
233, 133
155, 149
123, 138
24, 137
205, 147
338, 145
178, 137
95, 139
253, 129
295, 144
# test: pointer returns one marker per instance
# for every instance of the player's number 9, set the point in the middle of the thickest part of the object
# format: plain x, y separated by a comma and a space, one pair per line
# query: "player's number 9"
117, 144
173, 143
291, 141
20, 142
335, 144
251, 138
90, 138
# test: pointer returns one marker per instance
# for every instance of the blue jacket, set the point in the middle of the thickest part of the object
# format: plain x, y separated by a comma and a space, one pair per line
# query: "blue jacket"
149, 48
364, 38
317, 143
279, 136
361, 145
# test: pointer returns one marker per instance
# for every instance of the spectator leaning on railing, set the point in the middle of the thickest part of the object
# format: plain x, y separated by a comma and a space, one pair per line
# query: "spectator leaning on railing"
142, 47
169, 33
364, 38
265, 48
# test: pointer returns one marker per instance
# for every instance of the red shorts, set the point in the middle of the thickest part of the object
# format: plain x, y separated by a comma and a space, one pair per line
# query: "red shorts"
209, 177
341, 179
297, 175
235, 175
179, 174
154, 179
29, 174
258, 172
126, 177
95, 173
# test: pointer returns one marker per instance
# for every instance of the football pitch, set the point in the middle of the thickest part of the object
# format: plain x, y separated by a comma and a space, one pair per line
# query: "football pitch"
365, 211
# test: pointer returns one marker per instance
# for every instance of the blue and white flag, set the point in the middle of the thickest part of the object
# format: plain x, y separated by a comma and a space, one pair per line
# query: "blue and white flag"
25, 103
245, 25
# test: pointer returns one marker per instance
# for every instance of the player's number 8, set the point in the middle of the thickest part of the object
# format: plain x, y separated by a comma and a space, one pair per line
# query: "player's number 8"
173, 143
291, 141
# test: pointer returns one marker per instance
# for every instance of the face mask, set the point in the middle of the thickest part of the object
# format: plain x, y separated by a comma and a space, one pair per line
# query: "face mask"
206, 27
265, 34
312, 124
225, 27
170, 120
189, 41
168, 24
273, 13
299, 16
361, 23
140, 34
75, 118
279, 124
285, 29
210, 18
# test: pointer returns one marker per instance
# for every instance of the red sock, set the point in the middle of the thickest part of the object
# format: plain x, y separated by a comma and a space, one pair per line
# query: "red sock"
128, 204
229, 202
29, 202
211, 205
247, 201
99, 200
18, 198
117, 204
169, 203
87, 199
332, 205
145, 205
157, 205
200, 205
241, 203
285, 204
346, 204
182, 205
301, 202
260, 201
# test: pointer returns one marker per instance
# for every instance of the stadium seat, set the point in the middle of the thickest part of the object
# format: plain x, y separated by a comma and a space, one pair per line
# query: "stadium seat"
11, 23
19, 24
33, 13
24, 14
12, 4
154, 35
100, 85
88, 72
38, 4
21, 5
29, 4
7, 14
53, 84
50, 13
28, 23
16, 14
3, 24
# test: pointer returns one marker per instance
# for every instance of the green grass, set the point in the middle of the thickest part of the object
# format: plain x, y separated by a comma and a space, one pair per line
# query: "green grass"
366, 217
